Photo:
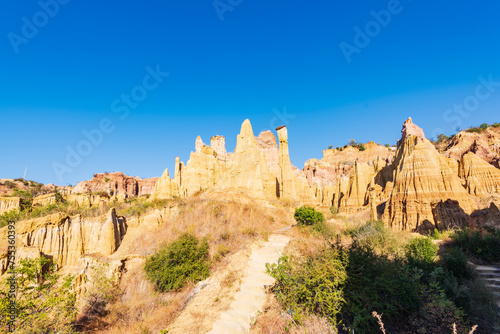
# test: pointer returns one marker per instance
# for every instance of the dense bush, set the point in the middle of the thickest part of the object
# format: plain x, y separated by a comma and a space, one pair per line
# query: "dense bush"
373, 234
421, 253
173, 265
306, 215
311, 286
484, 247
377, 283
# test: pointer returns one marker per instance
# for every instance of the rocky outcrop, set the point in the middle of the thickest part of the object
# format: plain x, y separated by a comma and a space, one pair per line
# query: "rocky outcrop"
116, 184
267, 144
248, 169
480, 177
421, 177
338, 163
87, 200
65, 239
487, 217
47, 199
218, 143
356, 195
485, 144
10, 203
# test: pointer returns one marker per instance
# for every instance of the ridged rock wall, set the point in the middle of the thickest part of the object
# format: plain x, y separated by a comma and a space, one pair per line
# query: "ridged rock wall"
480, 177
421, 177
65, 239
9, 203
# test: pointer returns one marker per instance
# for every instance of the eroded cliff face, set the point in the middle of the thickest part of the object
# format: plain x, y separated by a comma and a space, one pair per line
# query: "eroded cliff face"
480, 178
116, 184
10, 203
338, 163
421, 177
65, 239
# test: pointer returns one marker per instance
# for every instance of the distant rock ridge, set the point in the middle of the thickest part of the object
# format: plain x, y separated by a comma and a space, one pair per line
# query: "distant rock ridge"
116, 184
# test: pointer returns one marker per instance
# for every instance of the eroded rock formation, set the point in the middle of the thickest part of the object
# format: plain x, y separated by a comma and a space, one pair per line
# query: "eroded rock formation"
65, 239
257, 166
421, 177
10, 203
485, 145
480, 177
116, 184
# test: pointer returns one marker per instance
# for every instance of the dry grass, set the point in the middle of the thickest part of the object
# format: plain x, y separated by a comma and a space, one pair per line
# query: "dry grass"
227, 226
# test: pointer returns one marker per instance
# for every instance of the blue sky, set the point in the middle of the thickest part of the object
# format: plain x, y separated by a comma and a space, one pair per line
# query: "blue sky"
67, 68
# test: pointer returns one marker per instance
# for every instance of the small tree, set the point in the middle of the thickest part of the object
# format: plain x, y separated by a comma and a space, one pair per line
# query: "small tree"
483, 126
44, 304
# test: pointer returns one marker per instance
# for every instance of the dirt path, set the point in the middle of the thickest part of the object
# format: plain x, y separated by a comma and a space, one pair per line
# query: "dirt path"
251, 297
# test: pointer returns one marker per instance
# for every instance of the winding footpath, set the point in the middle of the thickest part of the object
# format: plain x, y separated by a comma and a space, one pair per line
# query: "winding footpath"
250, 300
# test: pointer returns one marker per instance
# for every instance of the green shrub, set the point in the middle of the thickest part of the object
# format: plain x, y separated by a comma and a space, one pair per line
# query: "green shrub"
173, 265
421, 253
311, 286
484, 247
455, 261
306, 215
6, 217
334, 210
373, 234
377, 283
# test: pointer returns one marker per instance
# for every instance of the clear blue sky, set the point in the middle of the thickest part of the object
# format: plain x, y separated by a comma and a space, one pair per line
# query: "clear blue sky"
71, 72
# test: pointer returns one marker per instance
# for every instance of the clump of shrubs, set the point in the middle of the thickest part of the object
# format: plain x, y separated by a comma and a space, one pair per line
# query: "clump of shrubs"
483, 247
175, 264
309, 217
305, 215
414, 289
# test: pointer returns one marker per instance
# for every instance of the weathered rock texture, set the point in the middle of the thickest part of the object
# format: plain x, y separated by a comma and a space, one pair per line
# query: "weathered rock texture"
116, 184
480, 177
485, 145
65, 239
421, 177
338, 164
47, 199
10, 203
257, 166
